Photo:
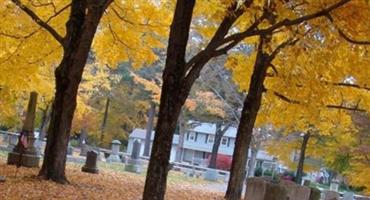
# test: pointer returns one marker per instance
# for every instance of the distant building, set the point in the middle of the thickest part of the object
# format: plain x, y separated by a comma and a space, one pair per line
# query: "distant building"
198, 143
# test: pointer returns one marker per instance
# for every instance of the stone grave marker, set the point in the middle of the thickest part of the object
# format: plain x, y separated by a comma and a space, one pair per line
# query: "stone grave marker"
295, 191
315, 194
260, 189
348, 196
115, 147
69, 149
134, 164
331, 195
91, 163
25, 153
84, 149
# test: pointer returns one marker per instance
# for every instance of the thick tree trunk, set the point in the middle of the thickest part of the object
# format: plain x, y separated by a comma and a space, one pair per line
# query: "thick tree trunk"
104, 123
299, 174
81, 27
173, 97
149, 128
220, 132
244, 134
182, 131
252, 162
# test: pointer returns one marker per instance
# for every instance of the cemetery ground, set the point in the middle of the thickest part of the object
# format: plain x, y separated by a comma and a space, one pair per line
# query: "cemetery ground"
112, 182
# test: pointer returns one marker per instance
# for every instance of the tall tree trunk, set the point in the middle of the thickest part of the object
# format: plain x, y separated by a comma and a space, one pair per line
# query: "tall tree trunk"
252, 162
104, 123
302, 156
220, 132
149, 128
173, 97
244, 134
182, 131
81, 27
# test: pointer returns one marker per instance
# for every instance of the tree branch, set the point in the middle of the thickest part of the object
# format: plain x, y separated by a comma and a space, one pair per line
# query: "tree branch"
344, 36
286, 22
38, 20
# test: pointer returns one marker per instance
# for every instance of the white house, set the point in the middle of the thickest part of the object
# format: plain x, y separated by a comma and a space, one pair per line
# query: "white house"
198, 143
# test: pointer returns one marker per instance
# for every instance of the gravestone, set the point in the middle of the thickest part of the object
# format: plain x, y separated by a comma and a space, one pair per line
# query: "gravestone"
295, 191
69, 149
211, 174
306, 182
331, 195
91, 163
348, 196
260, 189
25, 152
134, 164
12, 141
84, 149
315, 194
334, 185
115, 147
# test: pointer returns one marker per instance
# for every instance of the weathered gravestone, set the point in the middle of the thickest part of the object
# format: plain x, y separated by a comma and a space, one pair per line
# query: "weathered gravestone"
331, 195
334, 185
84, 149
91, 163
295, 191
133, 164
12, 141
69, 149
25, 152
348, 196
315, 194
211, 174
260, 189
115, 147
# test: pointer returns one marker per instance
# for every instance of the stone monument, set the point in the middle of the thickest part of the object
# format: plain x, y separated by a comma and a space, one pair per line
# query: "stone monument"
91, 163
114, 156
133, 164
260, 189
25, 153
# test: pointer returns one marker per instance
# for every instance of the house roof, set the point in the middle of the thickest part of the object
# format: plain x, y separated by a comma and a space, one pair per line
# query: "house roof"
210, 128
138, 133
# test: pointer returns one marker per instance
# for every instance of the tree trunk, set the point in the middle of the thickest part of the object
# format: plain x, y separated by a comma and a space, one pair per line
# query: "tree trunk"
252, 162
104, 123
244, 134
302, 156
81, 27
220, 132
173, 97
182, 131
149, 129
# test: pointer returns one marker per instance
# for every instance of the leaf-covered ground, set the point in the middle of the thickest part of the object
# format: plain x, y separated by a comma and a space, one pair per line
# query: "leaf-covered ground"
109, 184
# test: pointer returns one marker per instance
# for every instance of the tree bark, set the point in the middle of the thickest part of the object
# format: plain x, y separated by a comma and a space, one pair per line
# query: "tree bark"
299, 173
149, 128
81, 27
220, 132
244, 134
104, 123
173, 96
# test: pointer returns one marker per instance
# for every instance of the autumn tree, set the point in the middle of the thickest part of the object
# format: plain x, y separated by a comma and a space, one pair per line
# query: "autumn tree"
71, 45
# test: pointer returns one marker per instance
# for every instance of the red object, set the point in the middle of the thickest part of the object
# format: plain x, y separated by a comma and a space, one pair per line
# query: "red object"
223, 162
23, 140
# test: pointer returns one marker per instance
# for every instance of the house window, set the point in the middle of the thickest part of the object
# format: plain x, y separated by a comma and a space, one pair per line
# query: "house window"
224, 141
211, 139
191, 136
